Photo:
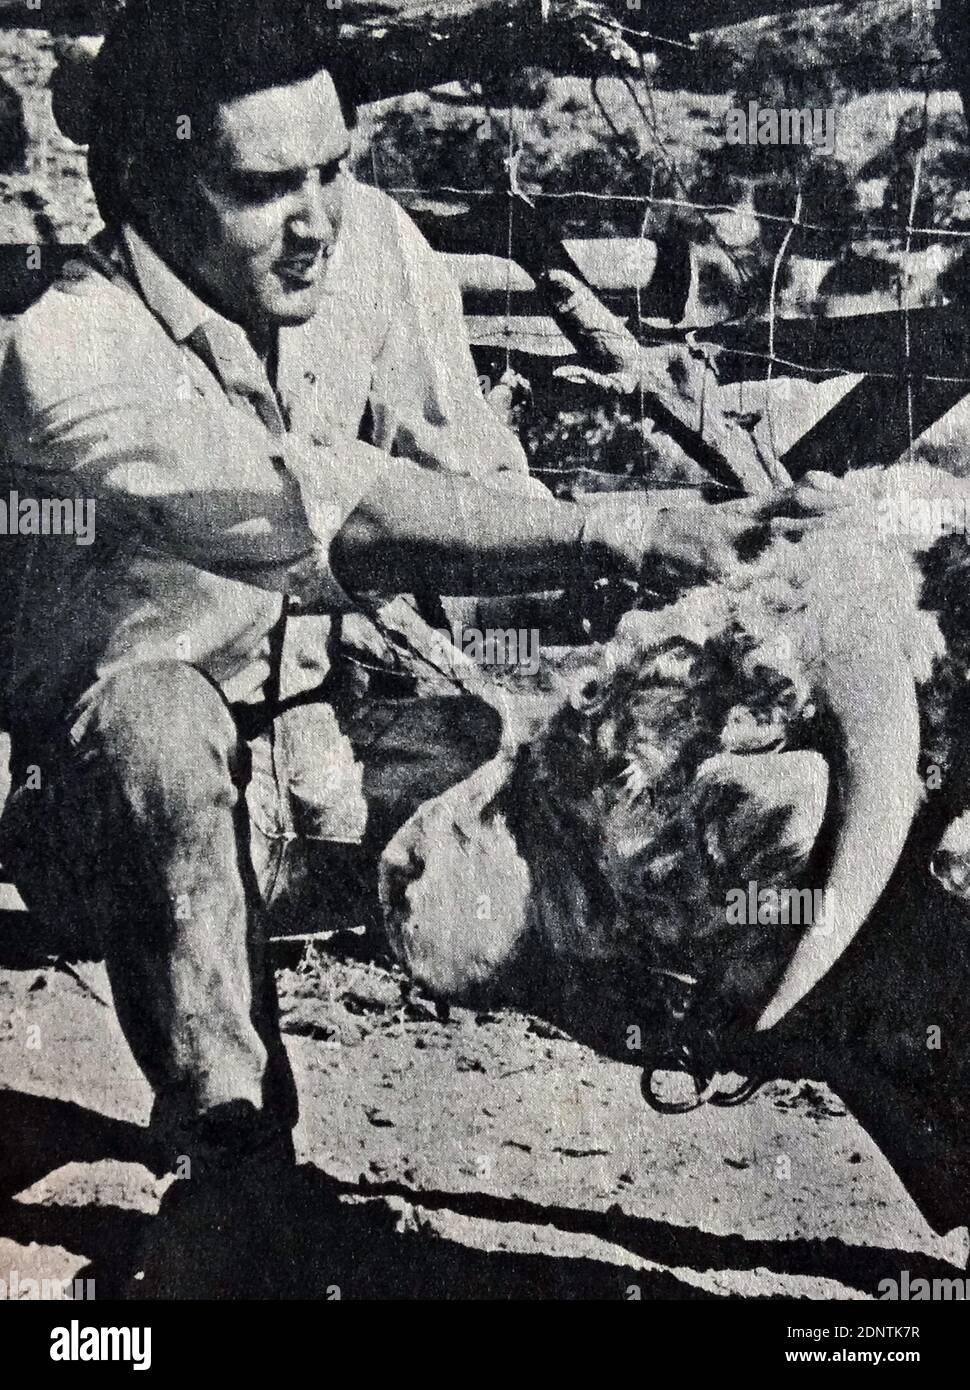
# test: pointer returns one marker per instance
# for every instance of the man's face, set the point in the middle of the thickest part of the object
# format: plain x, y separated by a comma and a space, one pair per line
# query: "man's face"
268, 194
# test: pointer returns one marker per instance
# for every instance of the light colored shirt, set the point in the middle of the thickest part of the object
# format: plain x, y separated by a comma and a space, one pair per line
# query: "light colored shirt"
214, 493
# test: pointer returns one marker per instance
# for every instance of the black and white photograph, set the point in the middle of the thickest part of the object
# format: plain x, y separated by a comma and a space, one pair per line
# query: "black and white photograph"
485, 661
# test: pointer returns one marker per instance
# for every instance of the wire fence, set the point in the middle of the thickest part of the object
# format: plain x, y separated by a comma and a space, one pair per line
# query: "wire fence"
762, 370
907, 238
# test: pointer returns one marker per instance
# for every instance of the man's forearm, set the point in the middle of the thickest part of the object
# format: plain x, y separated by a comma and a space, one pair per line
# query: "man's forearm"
457, 536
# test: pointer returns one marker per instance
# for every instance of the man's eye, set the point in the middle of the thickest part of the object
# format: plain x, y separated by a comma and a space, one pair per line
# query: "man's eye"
263, 189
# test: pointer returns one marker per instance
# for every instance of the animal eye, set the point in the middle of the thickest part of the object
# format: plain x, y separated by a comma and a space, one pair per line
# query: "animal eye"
331, 171
583, 696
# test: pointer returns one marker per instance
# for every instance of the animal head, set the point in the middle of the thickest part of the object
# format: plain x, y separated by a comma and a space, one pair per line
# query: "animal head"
676, 771
764, 731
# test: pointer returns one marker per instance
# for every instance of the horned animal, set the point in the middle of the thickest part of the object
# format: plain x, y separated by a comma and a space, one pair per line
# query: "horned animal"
777, 728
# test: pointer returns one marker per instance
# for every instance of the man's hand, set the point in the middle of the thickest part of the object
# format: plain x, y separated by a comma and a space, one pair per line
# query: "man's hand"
819, 498
624, 535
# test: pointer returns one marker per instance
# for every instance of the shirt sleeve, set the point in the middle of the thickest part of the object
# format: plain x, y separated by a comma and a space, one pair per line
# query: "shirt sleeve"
95, 407
425, 398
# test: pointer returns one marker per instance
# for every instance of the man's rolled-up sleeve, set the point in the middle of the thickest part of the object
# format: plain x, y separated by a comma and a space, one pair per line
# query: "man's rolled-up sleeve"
107, 421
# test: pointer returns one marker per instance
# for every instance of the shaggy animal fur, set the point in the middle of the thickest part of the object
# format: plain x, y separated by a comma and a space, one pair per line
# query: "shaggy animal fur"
702, 749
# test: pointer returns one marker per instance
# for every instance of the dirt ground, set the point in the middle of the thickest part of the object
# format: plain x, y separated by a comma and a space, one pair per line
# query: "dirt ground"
482, 1155
478, 1155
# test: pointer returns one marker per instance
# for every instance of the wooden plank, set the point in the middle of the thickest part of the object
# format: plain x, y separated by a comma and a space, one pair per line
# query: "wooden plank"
10, 900
491, 286
618, 264
939, 344
939, 338
532, 335
620, 269
871, 425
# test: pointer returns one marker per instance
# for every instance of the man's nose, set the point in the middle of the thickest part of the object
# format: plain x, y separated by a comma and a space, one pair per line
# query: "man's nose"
313, 218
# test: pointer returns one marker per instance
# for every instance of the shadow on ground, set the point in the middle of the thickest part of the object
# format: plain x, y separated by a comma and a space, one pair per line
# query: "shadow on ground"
301, 1234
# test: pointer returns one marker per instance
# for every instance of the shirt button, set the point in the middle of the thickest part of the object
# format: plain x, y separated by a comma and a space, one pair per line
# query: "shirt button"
310, 377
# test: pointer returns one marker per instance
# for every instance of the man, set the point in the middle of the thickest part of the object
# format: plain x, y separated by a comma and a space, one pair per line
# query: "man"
208, 375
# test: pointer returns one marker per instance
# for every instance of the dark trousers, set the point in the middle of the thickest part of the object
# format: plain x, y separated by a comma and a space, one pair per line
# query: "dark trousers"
174, 837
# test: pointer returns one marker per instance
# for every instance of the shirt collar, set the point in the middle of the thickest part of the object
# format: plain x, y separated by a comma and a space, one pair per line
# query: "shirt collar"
222, 344
178, 307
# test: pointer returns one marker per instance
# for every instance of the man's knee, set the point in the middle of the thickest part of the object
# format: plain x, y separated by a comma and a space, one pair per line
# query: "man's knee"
161, 724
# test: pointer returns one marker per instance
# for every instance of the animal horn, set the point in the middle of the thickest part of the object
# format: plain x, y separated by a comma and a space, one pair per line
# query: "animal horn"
871, 698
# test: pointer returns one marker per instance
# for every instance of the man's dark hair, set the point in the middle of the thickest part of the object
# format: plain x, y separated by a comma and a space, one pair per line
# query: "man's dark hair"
167, 60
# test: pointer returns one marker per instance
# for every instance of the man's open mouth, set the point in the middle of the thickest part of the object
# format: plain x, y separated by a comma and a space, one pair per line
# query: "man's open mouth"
300, 271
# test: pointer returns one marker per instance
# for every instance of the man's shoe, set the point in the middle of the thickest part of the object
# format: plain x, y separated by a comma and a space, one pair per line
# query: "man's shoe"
222, 1140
